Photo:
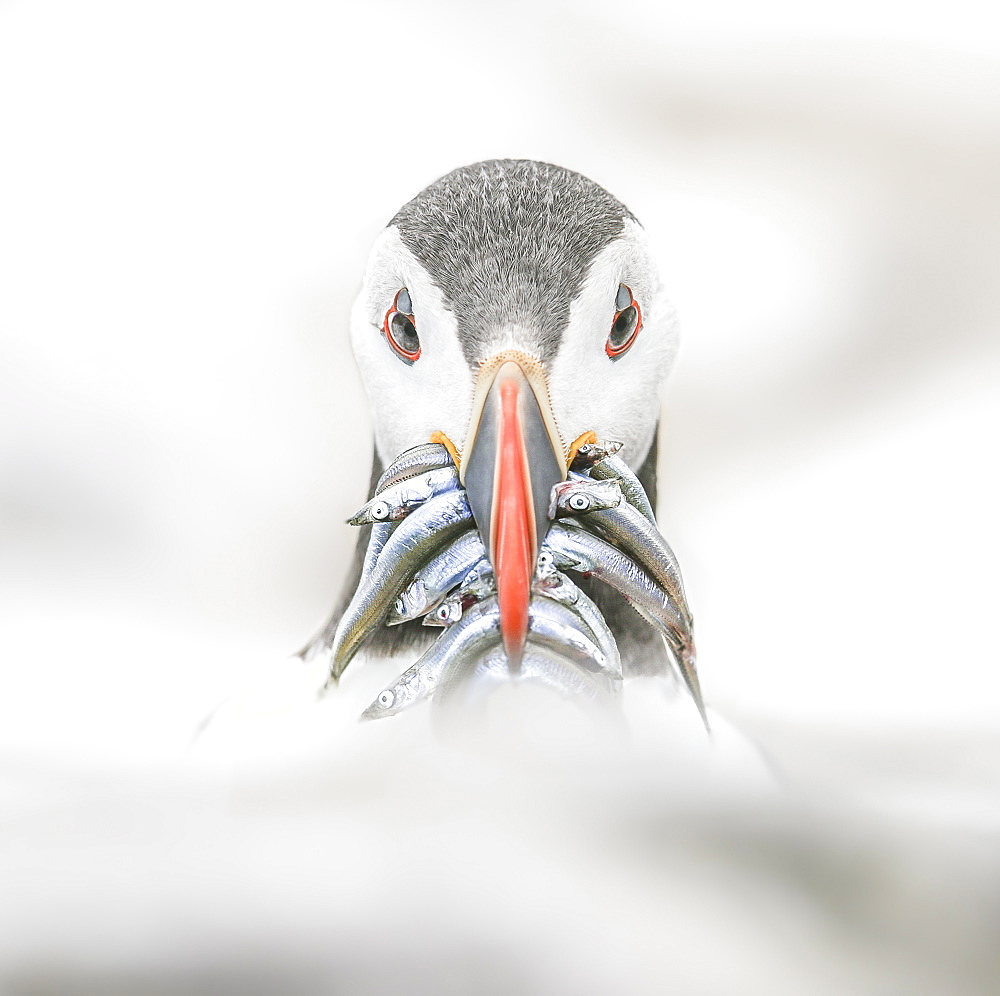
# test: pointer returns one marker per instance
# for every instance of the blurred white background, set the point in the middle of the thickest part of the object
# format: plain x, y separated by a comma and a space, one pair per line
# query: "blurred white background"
187, 196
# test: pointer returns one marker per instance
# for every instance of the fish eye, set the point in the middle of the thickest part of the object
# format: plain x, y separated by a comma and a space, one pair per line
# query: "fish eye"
379, 511
400, 329
385, 698
578, 502
626, 324
400, 607
443, 613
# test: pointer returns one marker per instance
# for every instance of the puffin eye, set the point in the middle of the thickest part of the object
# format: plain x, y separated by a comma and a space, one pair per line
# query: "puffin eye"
399, 328
625, 325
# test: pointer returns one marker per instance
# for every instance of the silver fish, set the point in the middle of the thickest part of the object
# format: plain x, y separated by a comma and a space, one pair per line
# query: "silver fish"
472, 636
416, 460
448, 612
556, 627
453, 566
420, 459
615, 468
477, 588
565, 677
465, 676
413, 542
559, 587
396, 502
571, 546
683, 651
637, 537
376, 543
579, 495
590, 453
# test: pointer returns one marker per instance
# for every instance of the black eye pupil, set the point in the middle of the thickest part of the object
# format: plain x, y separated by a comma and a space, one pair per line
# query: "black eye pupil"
623, 327
403, 330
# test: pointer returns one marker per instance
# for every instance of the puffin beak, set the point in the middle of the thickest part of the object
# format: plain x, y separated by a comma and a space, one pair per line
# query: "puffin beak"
513, 456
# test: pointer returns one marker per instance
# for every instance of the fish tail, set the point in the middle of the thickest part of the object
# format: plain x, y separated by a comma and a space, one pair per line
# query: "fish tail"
687, 664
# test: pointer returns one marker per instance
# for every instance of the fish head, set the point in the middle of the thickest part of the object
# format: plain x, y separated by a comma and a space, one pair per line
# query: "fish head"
577, 497
413, 601
385, 704
392, 699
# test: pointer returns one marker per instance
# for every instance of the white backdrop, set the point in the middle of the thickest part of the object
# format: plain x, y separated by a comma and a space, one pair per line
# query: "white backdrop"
187, 195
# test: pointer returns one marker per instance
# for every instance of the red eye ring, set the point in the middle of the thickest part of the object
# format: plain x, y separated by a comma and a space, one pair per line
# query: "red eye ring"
615, 351
408, 355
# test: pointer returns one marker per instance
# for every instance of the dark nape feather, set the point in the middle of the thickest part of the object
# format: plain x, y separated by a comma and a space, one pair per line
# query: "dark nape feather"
384, 641
641, 647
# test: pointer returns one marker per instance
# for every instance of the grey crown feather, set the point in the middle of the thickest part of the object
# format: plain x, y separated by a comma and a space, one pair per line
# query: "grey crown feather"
509, 242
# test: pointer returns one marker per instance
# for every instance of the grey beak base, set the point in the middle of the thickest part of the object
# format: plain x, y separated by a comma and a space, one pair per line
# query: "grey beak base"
481, 462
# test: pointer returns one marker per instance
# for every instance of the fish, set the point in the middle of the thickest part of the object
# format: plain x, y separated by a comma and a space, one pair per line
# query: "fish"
468, 640
556, 585
396, 502
637, 537
464, 675
553, 632
554, 670
448, 612
454, 565
590, 453
569, 546
615, 468
572, 547
414, 461
579, 495
555, 626
423, 559
477, 588
376, 542
683, 651
413, 542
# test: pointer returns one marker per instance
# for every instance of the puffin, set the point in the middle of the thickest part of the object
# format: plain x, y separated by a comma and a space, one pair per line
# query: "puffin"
513, 312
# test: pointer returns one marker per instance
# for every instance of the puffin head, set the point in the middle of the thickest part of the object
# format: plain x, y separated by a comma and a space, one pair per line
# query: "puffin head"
512, 311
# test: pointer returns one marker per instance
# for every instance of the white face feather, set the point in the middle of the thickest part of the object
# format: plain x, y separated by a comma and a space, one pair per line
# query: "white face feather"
616, 399
588, 391
409, 402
